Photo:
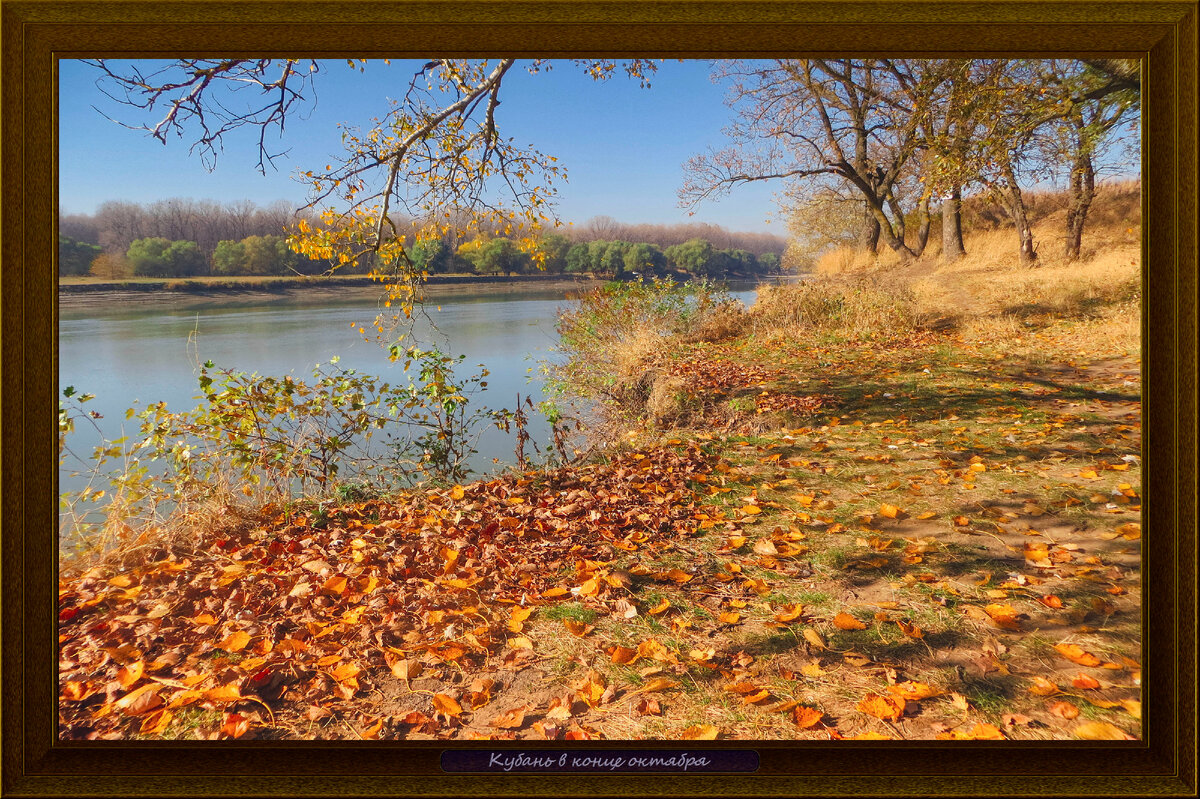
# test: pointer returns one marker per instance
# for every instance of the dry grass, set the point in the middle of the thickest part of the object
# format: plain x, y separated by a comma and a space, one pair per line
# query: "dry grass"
862, 307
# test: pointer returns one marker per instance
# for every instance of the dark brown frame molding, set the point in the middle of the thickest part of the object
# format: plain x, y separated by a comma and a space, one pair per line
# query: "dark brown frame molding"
35, 33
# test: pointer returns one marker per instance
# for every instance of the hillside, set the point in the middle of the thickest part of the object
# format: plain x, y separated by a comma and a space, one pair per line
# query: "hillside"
885, 503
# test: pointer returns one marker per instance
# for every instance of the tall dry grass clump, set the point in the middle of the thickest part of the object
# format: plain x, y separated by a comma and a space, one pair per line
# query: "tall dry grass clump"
860, 308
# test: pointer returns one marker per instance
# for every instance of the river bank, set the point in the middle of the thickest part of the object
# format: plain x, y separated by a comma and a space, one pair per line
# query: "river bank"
833, 520
257, 290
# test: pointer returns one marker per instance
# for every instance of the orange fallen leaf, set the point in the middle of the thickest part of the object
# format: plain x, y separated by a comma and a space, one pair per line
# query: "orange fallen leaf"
1051, 601
980, 732
844, 621
1043, 687
806, 717
234, 642
156, 722
130, 674
1085, 683
814, 638
700, 732
871, 736
447, 705
888, 511
657, 684
910, 630
578, 628
914, 691
729, 617
235, 726
789, 613
1064, 709
371, 733
1076, 654
660, 607
225, 694
1101, 731
882, 707
335, 585
622, 654
510, 720
457, 492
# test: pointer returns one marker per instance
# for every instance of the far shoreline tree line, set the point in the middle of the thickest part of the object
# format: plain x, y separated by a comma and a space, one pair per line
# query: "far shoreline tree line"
185, 238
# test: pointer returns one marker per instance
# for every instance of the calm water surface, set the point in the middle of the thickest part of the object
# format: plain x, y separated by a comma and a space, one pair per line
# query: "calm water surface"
133, 355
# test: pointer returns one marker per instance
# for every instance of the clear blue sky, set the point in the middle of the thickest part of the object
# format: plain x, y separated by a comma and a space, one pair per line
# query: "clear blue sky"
623, 146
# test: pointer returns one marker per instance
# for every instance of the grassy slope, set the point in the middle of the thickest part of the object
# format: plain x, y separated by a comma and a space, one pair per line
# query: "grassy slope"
875, 528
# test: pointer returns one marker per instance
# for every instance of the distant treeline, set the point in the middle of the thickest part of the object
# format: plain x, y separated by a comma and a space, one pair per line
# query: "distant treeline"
188, 238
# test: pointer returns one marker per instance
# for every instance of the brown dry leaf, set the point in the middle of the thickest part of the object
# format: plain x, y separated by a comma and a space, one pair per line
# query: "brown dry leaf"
700, 732
143, 700
235, 726
844, 621
235, 642
511, 719
1076, 654
1064, 709
371, 733
648, 707
765, 546
806, 717
1101, 731
560, 709
814, 638
856, 659
578, 628
882, 707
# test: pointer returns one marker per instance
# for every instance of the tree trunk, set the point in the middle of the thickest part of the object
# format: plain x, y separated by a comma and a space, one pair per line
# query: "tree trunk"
952, 238
1020, 217
923, 229
868, 236
896, 243
1083, 191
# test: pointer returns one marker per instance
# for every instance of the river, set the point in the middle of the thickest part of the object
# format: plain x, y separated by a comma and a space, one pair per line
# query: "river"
132, 354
